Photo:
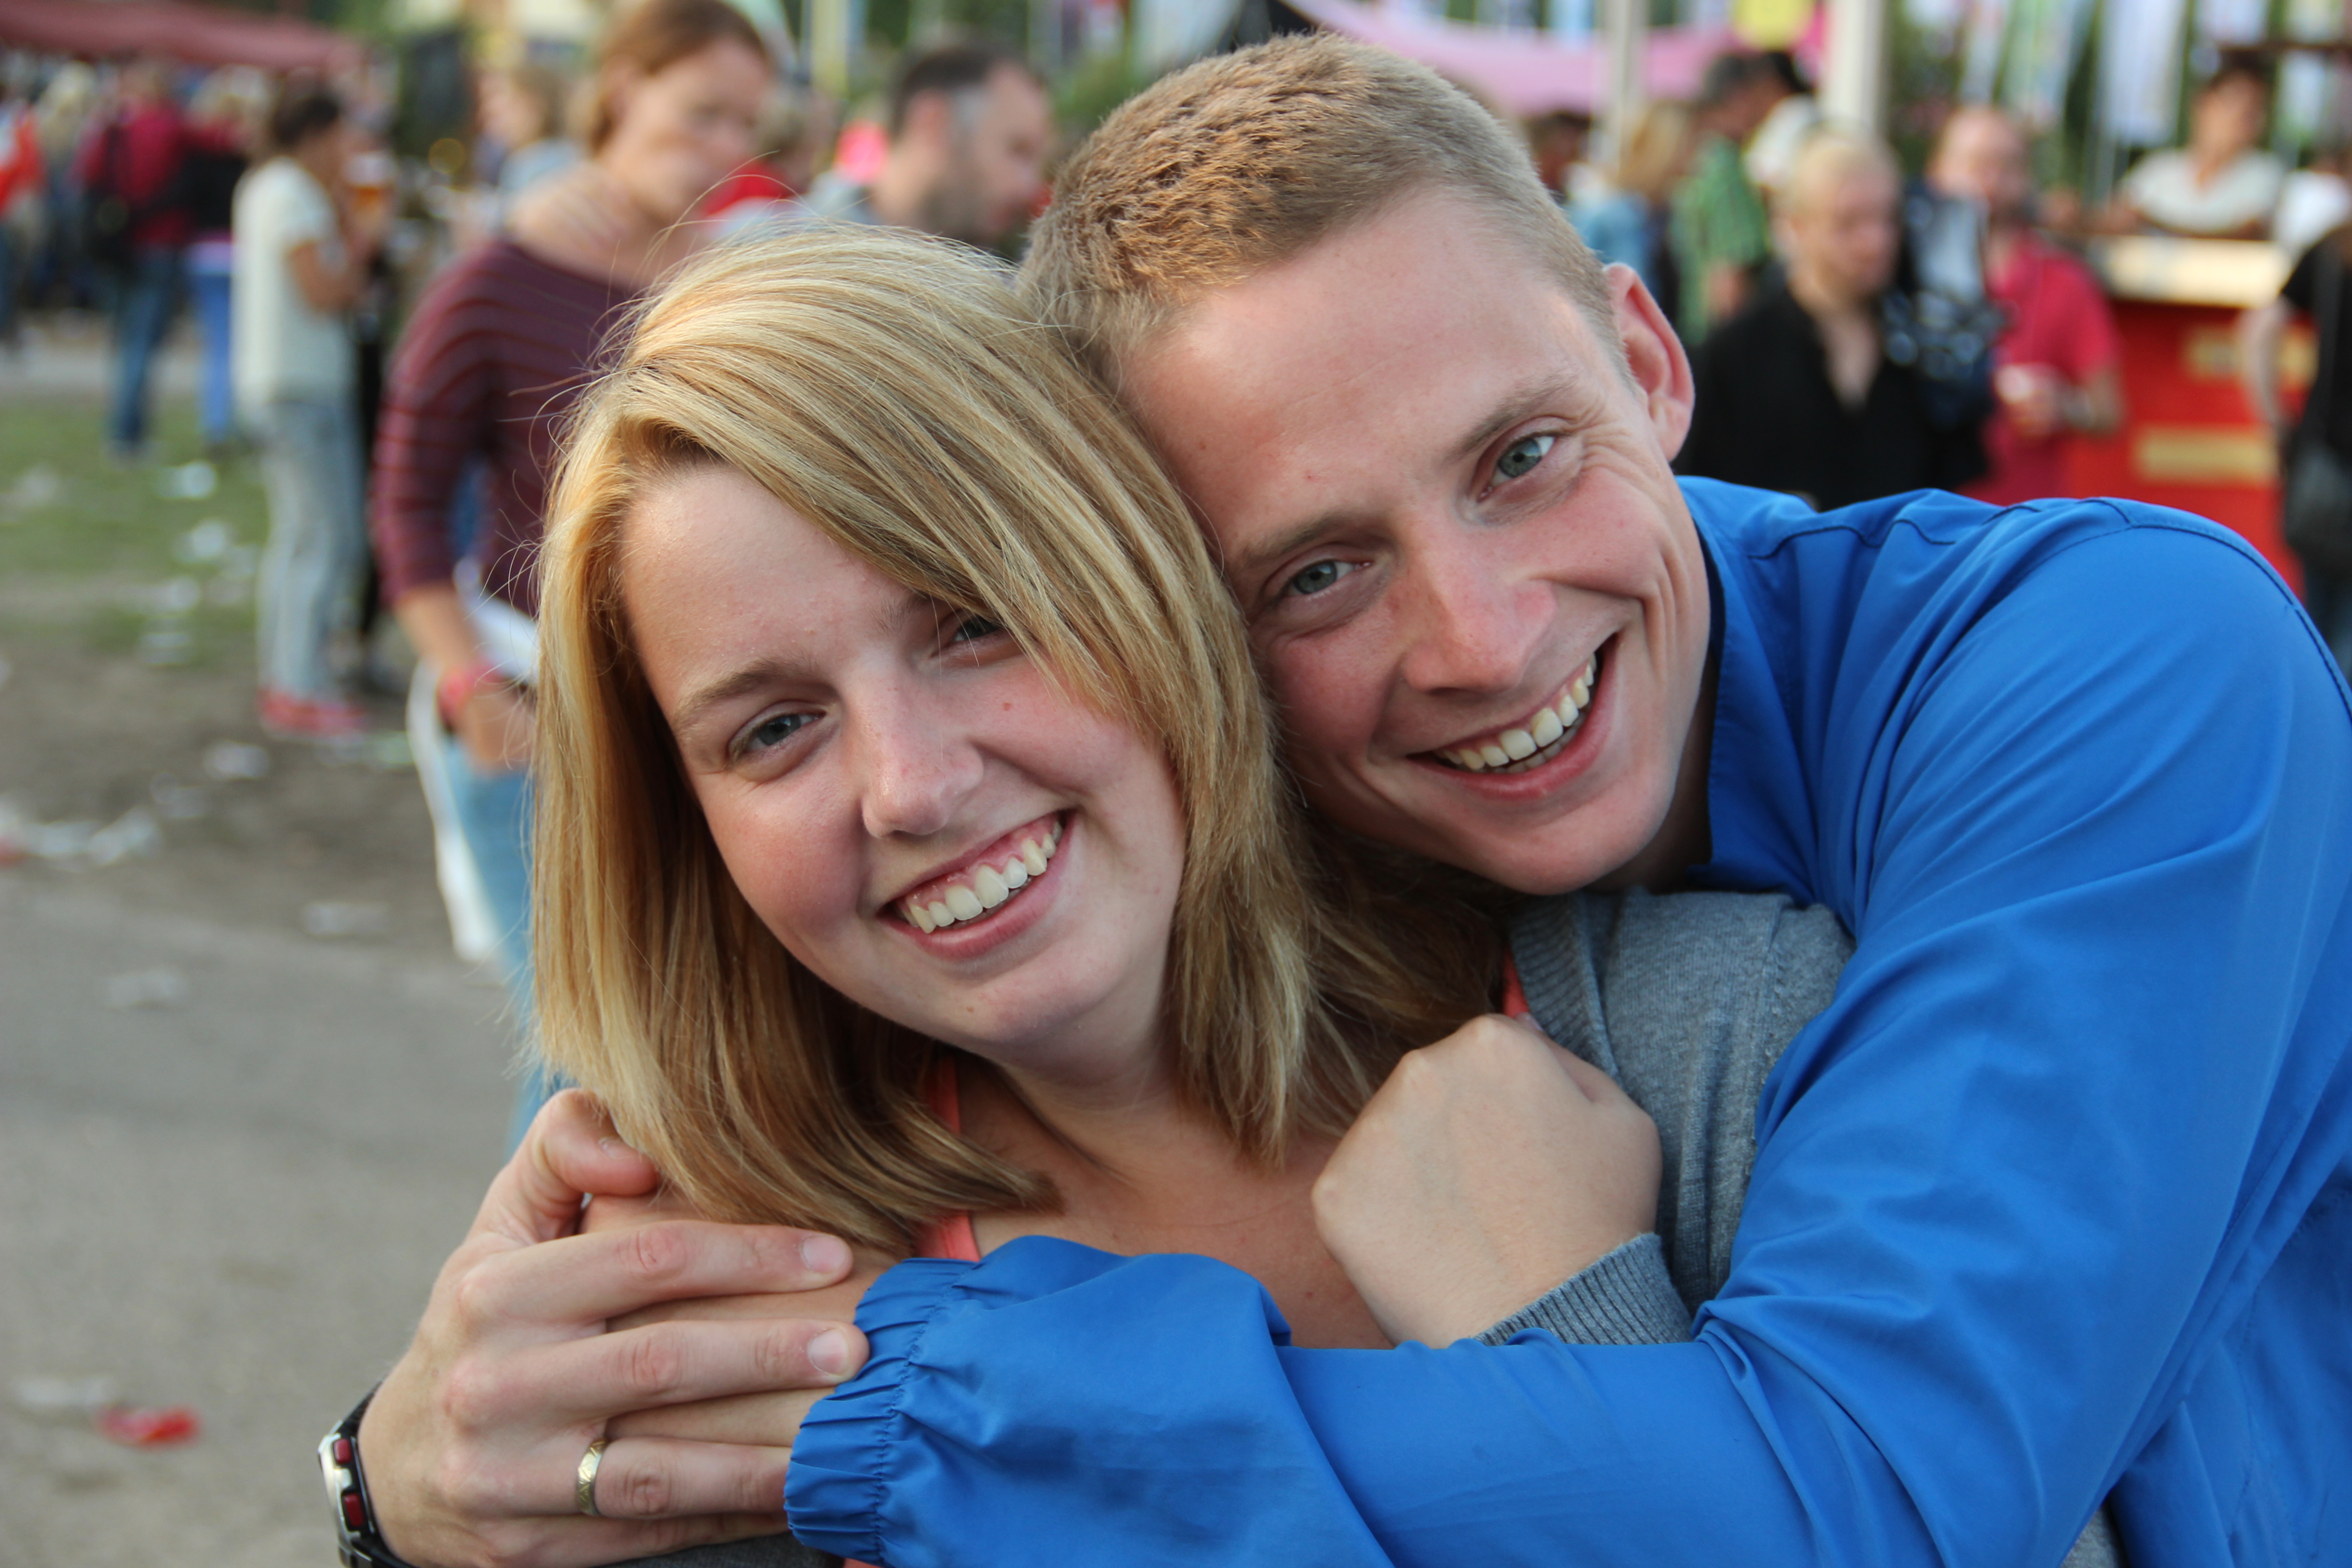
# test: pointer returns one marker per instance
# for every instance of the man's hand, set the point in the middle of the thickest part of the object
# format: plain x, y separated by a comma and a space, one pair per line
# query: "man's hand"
472, 1444
1490, 1167
755, 1420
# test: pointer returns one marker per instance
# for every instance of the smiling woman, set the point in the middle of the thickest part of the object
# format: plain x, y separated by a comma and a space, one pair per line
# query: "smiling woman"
894, 716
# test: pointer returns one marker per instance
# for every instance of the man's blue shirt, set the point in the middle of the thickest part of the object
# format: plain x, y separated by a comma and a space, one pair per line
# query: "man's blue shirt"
2053, 1200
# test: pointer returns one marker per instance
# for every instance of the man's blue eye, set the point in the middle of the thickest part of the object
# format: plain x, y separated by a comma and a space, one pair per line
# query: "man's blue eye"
1317, 577
1522, 455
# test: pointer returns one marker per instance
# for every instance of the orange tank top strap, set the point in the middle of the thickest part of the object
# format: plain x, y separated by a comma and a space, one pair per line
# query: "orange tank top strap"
1514, 996
952, 1236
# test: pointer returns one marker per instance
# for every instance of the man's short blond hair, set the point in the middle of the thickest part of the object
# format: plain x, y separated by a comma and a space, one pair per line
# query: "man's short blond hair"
1244, 161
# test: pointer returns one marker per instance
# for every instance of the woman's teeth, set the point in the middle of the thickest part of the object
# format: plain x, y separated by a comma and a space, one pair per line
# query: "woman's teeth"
983, 886
1534, 742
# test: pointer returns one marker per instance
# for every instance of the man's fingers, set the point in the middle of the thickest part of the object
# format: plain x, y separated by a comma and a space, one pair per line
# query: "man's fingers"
675, 1362
570, 1151
765, 1420
590, 1279
662, 1477
1598, 1085
583, 1543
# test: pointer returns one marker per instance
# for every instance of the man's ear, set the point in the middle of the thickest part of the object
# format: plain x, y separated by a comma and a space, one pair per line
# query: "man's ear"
1654, 354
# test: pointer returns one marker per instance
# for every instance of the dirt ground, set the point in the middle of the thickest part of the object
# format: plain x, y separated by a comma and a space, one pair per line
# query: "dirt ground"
248, 1098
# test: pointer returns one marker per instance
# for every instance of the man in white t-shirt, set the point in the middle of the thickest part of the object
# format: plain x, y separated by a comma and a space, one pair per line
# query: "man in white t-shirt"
300, 268
2222, 185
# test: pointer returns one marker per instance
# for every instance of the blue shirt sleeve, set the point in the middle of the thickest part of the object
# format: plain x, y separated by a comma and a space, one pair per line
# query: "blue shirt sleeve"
2013, 1191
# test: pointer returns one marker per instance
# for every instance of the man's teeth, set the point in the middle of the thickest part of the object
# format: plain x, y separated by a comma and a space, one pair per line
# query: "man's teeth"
1538, 740
988, 886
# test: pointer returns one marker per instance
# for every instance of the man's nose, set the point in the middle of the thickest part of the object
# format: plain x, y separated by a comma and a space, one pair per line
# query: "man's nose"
917, 767
1473, 625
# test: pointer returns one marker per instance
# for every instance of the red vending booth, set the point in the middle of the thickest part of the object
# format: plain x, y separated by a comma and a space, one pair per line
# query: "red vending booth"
2189, 439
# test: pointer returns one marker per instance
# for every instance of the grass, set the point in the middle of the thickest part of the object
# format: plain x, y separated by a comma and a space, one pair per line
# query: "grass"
74, 525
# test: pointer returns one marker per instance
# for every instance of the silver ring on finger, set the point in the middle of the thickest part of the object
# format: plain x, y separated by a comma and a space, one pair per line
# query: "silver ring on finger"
584, 1489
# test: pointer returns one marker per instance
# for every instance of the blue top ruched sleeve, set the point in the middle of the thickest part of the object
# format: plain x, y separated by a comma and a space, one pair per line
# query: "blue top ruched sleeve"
2055, 1200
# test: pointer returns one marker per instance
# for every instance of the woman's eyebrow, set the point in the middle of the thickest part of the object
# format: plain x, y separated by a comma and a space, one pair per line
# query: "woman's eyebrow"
697, 704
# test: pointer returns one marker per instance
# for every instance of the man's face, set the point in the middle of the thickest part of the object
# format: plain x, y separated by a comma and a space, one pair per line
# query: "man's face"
1983, 157
2227, 117
994, 168
1441, 500
1842, 230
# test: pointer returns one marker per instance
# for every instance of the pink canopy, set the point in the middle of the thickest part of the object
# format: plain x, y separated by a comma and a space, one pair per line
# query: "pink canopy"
199, 34
1527, 73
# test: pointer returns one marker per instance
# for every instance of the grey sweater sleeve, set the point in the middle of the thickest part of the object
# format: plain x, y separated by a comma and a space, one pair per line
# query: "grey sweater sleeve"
1687, 1001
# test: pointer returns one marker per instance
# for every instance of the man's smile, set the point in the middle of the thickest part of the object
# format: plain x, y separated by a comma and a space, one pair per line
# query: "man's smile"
1530, 742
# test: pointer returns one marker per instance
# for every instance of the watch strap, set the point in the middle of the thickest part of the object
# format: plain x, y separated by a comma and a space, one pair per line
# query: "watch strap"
358, 1542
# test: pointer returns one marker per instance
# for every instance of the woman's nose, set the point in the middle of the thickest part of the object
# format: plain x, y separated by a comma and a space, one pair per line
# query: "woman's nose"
918, 766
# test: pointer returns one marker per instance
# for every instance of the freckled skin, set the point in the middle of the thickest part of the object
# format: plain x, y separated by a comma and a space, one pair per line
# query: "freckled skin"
885, 759
1339, 420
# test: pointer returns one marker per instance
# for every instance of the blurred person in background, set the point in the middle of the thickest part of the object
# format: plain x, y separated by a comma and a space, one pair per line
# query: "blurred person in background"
2316, 444
1797, 393
795, 123
969, 129
2057, 365
1629, 220
2314, 200
2222, 185
1772, 150
493, 355
300, 265
1722, 234
23, 183
523, 116
1558, 142
225, 124
61, 116
136, 227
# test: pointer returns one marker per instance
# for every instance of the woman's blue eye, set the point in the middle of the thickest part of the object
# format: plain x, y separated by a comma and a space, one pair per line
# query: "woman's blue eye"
1522, 455
775, 731
974, 628
1317, 577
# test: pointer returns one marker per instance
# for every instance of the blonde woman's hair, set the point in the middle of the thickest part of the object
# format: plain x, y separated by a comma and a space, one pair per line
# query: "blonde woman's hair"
1652, 159
1243, 160
888, 391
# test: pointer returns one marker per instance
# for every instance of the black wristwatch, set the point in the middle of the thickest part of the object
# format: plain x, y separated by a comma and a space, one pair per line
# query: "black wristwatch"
357, 1540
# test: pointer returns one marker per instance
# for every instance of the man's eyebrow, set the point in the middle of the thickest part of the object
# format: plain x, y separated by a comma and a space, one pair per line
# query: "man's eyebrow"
1507, 411
1549, 391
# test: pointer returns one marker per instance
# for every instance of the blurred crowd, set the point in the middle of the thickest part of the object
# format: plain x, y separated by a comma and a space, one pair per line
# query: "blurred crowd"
398, 340
1857, 329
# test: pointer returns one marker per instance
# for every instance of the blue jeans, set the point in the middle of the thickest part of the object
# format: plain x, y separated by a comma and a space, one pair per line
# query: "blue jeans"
208, 291
494, 813
146, 299
312, 568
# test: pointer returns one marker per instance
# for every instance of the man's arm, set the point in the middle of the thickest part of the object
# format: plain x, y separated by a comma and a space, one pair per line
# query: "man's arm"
2013, 1191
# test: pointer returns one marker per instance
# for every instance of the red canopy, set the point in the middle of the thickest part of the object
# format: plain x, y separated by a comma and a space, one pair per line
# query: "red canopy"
200, 34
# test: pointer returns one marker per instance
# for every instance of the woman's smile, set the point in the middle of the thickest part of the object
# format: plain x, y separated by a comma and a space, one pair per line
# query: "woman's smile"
982, 884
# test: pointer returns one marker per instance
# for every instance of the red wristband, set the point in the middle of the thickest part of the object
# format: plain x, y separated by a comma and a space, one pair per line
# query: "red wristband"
457, 688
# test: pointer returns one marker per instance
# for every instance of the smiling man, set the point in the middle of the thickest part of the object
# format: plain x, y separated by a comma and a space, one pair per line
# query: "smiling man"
2049, 1206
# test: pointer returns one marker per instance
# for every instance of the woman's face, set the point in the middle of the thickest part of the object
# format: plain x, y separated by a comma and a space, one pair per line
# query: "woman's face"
871, 761
682, 129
